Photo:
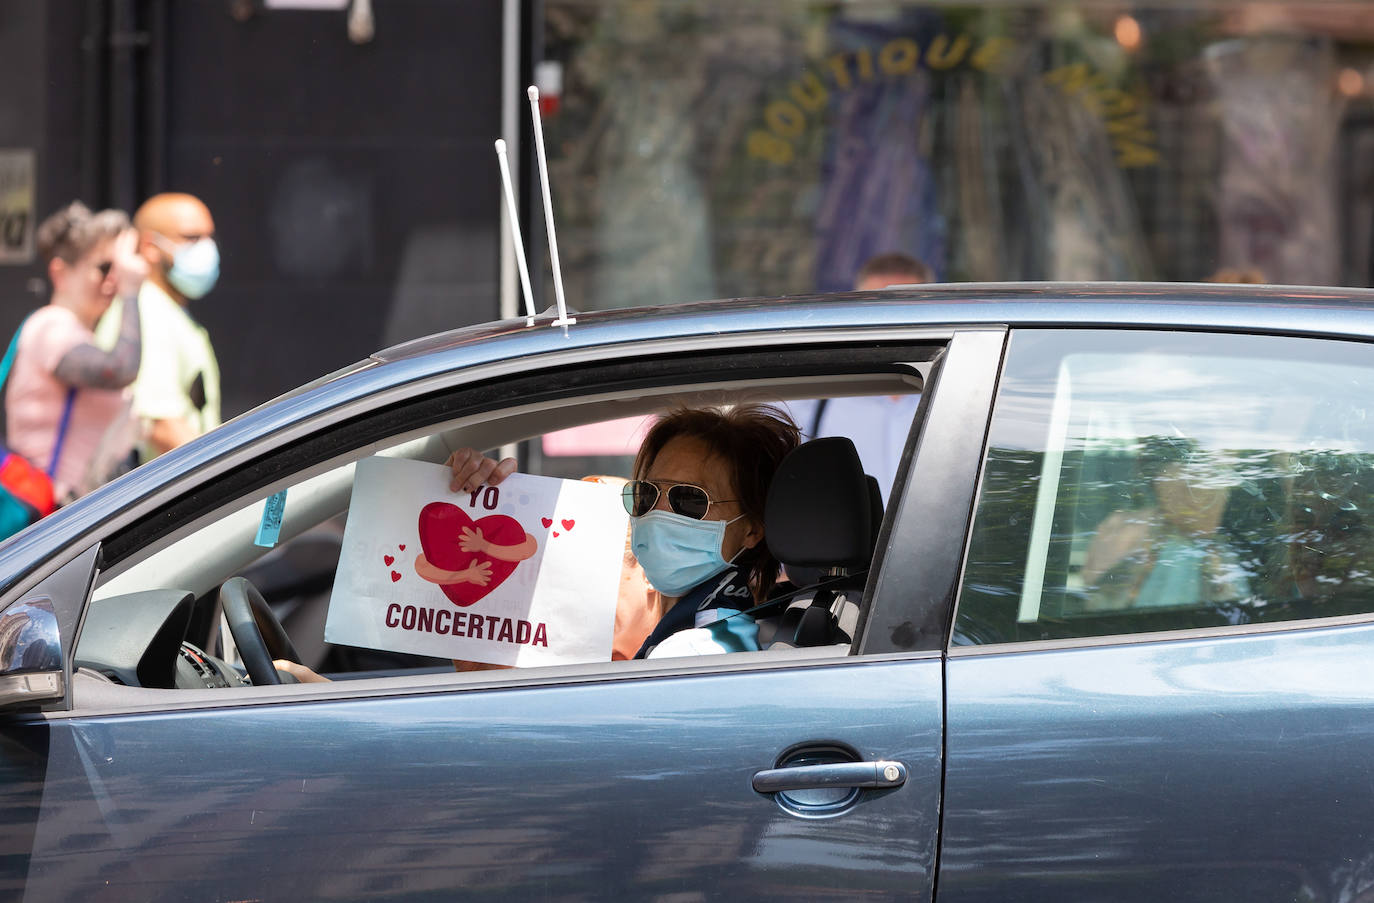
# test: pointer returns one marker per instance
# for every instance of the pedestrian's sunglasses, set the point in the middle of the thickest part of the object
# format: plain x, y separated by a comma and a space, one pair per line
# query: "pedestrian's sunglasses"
640, 497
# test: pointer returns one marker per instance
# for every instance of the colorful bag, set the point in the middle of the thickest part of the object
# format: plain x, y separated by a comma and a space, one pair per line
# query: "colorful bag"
26, 493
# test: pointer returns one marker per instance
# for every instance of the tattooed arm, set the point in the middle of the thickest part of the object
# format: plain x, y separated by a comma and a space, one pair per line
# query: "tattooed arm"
89, 366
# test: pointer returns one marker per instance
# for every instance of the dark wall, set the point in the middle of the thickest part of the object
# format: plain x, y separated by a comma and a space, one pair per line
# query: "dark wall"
354, 187
21, 126
40, 72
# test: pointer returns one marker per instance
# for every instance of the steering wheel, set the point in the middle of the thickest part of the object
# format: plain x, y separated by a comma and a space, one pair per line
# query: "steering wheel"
256, 631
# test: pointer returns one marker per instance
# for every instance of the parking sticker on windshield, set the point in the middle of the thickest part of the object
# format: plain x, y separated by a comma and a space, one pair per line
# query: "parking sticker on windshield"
523, 573
269, 530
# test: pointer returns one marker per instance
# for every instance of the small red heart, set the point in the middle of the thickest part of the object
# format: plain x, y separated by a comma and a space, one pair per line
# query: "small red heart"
388, 559
555, 532
395, 576
546, 521
568, 523
402, 547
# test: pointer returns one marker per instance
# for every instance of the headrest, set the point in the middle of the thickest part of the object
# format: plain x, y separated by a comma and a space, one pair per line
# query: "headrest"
819, 511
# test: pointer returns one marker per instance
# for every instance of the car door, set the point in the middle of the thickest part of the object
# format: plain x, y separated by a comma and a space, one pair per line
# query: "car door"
1158, 681
576, 782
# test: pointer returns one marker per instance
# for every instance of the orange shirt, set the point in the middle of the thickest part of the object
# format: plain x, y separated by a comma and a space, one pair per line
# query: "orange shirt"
637, 610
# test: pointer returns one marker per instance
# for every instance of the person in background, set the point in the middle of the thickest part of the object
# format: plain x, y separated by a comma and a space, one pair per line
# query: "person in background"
1172, 551
878, 425
66, 403
892, 268
177, 393
1238, 276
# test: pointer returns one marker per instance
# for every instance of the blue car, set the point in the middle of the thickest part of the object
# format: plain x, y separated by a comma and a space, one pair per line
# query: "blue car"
1113, 640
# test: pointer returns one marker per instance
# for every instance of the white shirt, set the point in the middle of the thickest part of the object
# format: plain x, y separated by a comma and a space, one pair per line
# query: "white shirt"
178, 376
878, 426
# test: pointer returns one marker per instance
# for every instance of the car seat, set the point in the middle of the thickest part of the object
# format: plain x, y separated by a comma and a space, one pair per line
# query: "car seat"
821, 520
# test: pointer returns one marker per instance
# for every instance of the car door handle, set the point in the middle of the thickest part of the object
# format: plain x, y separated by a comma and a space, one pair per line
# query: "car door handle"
833, 774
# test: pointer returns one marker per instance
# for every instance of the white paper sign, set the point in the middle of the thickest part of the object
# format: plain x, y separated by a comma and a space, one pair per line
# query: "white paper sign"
525, 573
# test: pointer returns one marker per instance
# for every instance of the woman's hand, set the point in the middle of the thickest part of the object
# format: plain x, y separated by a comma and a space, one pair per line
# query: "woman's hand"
1123, 536
129, 268
472, 469
300, 672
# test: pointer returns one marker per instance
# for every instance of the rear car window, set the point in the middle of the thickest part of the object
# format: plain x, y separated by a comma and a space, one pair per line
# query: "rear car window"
1138, 482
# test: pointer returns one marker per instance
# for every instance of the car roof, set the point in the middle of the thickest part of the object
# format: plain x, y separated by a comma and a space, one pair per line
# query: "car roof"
1297, 310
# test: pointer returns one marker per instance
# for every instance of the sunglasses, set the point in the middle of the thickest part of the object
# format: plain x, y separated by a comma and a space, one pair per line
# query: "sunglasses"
640, 497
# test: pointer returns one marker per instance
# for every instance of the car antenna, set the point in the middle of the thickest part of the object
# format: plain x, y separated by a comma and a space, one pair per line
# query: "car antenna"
563, 319
515, 231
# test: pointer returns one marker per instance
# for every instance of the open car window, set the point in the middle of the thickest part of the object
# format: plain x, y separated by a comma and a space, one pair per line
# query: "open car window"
296, 565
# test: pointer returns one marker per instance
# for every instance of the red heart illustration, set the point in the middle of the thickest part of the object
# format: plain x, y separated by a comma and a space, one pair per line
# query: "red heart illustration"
555, 532
546, 521
441, 525
388, 559
568, 523
395, 576
402, 547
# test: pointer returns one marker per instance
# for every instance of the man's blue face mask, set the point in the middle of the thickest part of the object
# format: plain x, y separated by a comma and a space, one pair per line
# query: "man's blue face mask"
195, 268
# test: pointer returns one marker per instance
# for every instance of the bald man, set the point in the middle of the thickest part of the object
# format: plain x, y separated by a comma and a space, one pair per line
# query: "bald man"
176, 393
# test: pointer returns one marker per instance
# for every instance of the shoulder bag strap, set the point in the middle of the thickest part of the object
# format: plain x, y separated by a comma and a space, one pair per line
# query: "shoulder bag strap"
62, 431
816, 419
8, 361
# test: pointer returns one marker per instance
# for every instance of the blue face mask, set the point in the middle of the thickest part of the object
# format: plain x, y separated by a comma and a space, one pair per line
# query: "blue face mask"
678, 552
195, 268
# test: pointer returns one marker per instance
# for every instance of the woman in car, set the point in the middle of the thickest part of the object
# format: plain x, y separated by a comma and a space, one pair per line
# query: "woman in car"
696, 524
696, 508
1173, 551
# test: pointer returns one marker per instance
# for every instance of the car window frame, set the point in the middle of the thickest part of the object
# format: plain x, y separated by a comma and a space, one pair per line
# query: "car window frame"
934, 497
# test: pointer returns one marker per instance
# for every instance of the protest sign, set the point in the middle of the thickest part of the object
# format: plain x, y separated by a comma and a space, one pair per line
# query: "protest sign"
525, 573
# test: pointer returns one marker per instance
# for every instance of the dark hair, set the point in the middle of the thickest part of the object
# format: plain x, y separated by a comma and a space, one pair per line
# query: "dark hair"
753, 439
895, 263
1157, 453
72, 231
